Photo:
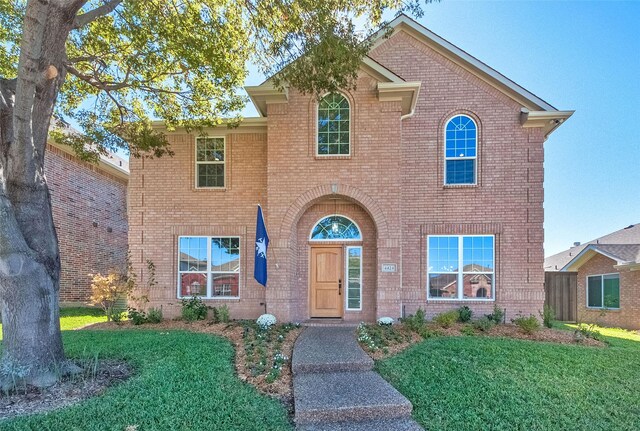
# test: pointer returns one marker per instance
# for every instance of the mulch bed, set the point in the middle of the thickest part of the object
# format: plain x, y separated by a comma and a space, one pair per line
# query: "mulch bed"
64, 393
503, 331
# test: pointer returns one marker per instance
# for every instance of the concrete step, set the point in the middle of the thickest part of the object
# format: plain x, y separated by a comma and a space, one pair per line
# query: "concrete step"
323, 349
346, 396
393, 424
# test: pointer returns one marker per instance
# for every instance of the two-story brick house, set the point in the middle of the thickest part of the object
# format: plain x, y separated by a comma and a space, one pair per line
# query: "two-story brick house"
423, 187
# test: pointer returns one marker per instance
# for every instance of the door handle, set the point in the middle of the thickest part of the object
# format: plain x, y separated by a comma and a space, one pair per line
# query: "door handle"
339, 286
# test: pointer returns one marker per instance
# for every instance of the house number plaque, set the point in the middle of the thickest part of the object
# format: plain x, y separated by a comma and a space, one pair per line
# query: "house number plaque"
389, 267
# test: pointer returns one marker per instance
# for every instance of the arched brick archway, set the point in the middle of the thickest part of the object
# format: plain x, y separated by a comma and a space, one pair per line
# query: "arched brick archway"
311, 196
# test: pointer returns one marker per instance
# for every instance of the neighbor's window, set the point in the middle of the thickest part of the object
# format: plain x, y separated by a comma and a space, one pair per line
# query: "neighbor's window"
209, 267
460, 267
333, 125
603, 291
210, 154
354, 278
461, 140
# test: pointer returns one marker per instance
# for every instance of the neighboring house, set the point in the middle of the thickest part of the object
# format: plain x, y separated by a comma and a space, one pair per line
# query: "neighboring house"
608, 277
90, 214
421, 188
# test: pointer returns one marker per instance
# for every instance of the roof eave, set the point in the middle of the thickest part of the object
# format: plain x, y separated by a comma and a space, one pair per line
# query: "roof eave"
547, 120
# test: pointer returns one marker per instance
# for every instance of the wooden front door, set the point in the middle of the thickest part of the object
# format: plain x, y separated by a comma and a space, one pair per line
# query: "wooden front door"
326, 282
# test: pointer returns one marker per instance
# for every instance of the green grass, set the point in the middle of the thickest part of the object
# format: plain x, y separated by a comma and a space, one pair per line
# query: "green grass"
77, 317
481, 383
183, 381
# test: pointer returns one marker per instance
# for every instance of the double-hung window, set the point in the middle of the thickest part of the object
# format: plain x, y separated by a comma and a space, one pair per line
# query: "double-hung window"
209, 267
210, 159
461, 267
461, 145
603, 291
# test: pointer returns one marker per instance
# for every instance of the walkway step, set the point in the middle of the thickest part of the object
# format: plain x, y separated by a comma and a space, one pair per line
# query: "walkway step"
392, 424
346, 396
319, 350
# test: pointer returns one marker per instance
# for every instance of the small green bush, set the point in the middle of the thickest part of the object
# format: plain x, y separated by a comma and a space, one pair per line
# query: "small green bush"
528, 325
468, 330
464, 314
137, 317
484, 324
116, 316
587, 331
425, 332
193, 309
548, 316
415, 322
154, 315
447, 319
497, 316
222, 314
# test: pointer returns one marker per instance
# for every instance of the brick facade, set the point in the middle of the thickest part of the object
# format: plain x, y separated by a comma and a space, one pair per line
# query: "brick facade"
89, 212
391, 185
628, 316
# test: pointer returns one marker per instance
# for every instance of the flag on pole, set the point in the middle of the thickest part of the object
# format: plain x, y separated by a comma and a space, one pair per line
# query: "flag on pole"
262, 242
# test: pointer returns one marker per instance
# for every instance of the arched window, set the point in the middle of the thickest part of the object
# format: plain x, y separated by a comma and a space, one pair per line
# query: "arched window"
333, 125
461, 139
336, 227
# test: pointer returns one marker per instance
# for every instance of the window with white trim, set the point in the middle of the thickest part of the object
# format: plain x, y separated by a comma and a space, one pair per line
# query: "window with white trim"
208, 267
461, 267
210, 168
460, 161
354, 278
335, 228
333, 126
603, 291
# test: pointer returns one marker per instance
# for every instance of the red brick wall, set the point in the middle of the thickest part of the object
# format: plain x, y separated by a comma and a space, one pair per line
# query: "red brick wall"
83, 194
394, 176
628, 316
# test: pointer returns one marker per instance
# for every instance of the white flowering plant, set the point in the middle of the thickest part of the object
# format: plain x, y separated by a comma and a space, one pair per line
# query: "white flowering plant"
385, 321
266, 321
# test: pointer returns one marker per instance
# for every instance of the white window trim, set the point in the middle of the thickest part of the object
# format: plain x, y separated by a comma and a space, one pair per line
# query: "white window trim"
209, 272
346, 296
475, 158
461, 273
586, 291
335, 239
223, 163
316, 128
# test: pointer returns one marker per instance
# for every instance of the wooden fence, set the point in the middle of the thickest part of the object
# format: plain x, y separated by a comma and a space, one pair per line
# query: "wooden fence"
561, 294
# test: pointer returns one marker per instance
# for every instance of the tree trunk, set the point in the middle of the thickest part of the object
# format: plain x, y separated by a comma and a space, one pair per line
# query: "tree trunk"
32, 351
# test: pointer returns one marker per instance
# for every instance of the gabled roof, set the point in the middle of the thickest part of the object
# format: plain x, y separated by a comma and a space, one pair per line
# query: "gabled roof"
623, 246
535, 111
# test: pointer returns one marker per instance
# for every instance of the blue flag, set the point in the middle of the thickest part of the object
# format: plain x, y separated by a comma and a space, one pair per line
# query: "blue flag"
262, 242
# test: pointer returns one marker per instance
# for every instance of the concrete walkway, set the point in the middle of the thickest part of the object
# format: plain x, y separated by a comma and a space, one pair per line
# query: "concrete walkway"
334, 387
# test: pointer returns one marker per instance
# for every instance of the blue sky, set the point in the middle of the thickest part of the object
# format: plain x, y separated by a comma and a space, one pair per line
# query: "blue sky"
576, 55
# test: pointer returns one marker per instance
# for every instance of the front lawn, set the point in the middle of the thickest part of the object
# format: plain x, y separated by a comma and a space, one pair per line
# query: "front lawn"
77, 317
183, 381
481, 383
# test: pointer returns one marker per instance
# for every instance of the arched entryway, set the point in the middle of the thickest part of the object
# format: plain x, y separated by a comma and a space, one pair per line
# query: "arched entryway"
336, 260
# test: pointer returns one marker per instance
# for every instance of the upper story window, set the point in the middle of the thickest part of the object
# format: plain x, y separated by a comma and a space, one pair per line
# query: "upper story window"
333, 125
461, 139
210, 155
336, 227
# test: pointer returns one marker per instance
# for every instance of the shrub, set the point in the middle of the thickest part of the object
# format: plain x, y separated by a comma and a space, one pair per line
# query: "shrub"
548, 316
587, 331
193, 309
222, 314
497, 316
137, 317
385, 321
447, 318
528, 325
484, 324
468, 330
414, 322
154, 315
107, 291
266, 321
464, 314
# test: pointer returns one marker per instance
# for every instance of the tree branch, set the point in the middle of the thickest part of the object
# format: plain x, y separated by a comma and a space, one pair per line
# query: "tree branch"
85, 18
7, 91
96, 82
